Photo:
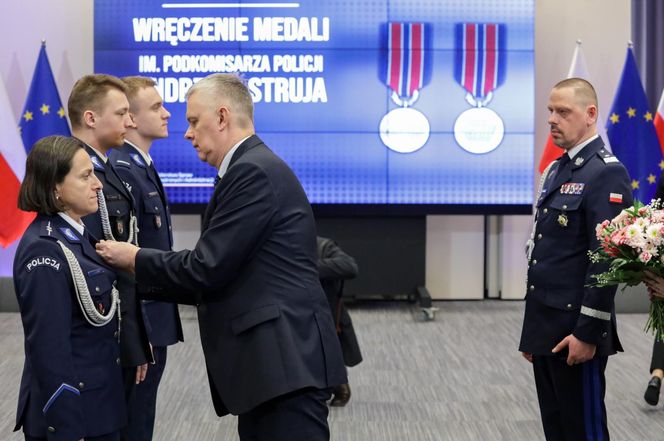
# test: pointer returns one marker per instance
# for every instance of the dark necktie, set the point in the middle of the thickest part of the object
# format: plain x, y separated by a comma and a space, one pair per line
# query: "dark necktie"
562, 163
216, 180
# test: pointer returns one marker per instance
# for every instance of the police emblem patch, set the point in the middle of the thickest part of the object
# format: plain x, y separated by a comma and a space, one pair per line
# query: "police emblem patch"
50, 262
69, 234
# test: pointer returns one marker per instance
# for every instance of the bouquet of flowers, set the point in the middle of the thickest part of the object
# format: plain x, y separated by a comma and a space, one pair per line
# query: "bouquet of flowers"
632, 243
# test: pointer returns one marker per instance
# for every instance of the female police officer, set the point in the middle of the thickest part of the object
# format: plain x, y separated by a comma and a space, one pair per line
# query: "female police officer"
72, 386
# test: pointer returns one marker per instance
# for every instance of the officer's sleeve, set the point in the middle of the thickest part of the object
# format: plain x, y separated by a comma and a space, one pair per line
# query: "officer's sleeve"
242, 221
43, 289
612, 184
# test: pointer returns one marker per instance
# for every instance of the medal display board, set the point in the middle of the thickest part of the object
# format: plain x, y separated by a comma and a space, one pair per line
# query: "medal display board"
414, 105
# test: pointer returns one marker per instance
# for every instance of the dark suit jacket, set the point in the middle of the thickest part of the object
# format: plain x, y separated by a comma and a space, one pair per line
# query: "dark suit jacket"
154, 231
265, 325
72, 380
334, 267
559, 300
134, 344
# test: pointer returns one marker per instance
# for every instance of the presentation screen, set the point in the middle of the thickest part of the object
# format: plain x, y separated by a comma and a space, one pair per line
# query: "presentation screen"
391, 104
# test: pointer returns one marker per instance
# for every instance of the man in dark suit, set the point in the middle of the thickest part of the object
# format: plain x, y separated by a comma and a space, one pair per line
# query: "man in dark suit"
569, 327
99, 115
136, 168
334, 267
267, 333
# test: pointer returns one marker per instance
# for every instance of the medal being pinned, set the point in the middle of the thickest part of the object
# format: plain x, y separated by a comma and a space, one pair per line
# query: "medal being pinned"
479, 67
405, 69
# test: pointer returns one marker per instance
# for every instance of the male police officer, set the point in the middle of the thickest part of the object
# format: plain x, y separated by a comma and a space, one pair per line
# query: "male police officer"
136, 168
569, 327
99, 114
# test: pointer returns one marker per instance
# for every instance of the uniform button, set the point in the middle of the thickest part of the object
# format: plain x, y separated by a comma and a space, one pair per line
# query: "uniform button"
564, 207
117, 360
51, 429
569, 306
81, 385
604, 334
532, 287
97, 289
535, 262
115, 334
539, 236
546, 210
156, 208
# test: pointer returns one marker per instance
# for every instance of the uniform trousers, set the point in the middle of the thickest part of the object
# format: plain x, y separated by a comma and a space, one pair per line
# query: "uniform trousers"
571, 398
297, 416
142, 405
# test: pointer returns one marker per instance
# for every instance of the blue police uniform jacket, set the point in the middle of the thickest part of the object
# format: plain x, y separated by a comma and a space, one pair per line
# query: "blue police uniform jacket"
72, 382
134, 343
154, 231
265, 324
592, 187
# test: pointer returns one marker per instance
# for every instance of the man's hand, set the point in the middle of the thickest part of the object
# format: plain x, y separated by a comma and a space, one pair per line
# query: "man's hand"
141, 372
121, 255
579, 351
527, 356
655, 284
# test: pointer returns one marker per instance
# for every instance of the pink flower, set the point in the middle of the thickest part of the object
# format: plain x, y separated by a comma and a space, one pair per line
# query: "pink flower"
645, 257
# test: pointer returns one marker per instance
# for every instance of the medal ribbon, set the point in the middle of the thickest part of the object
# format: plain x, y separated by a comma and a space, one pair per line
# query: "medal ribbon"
405, 66
479, 62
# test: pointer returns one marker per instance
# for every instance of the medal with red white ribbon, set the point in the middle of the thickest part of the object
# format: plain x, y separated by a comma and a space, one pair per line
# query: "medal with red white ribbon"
405, 69
479, 67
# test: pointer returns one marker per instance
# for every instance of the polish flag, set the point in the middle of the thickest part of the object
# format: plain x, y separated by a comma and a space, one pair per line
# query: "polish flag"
659, 122
577, 69
13, 221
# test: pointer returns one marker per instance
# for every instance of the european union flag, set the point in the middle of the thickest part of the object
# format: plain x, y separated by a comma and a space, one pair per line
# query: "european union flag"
632, 134
43, 114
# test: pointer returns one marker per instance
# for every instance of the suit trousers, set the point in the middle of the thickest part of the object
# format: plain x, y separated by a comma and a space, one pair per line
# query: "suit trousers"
115, 436
571, 398
142, 405
297, 416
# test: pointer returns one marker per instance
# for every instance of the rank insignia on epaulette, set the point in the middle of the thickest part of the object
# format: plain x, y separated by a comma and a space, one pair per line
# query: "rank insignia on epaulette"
562, 220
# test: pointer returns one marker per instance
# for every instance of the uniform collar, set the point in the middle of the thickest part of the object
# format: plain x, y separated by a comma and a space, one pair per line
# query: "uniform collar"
80, 227
576, 149
146, 156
